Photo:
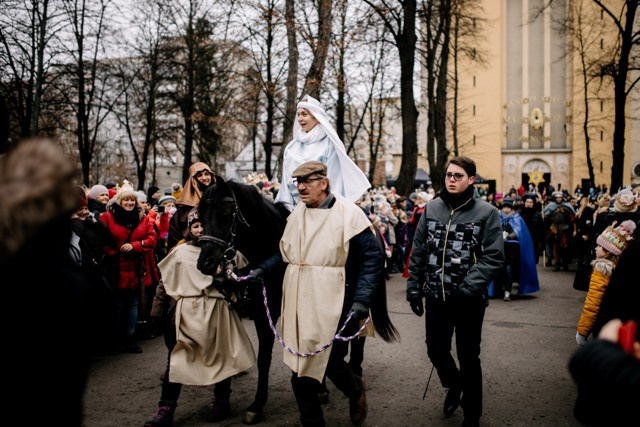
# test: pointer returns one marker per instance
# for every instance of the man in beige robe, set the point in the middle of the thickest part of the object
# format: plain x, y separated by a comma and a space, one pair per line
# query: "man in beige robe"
334, 265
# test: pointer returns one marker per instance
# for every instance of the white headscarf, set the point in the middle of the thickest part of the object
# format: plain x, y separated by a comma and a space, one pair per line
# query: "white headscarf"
345, 176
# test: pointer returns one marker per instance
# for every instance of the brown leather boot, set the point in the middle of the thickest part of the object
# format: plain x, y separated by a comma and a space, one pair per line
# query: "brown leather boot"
358, 404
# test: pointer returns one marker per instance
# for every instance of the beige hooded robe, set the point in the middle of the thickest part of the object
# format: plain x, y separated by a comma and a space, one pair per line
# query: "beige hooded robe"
212, 343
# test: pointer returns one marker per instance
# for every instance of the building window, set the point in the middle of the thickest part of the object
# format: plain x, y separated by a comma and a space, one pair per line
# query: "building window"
601, 106
474, 139
474, 81
600, 166
601, 135
601, 43
474, 110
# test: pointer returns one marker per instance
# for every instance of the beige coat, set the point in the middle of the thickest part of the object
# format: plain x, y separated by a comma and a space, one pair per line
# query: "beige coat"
212, 344
315, 244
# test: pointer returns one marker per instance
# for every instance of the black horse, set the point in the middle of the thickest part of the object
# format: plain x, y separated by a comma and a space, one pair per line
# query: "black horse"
237, 218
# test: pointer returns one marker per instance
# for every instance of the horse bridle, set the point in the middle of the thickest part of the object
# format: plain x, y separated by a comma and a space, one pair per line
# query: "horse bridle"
228, 261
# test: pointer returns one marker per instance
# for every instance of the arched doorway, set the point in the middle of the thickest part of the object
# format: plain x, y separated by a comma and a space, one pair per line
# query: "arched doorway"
536, 172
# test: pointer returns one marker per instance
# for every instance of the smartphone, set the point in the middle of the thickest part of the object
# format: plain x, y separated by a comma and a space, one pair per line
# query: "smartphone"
627, 335
160, 209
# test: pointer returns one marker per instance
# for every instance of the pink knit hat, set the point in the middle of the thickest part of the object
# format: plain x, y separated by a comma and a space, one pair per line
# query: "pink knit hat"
97, 190
615, 240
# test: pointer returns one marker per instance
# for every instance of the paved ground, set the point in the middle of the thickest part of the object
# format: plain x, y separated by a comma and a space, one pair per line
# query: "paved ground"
526, 346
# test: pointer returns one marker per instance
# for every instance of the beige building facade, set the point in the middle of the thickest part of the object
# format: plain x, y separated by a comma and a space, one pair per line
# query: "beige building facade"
521, 117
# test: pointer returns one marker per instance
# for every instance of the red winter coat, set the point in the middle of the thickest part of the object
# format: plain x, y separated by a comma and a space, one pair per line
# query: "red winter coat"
143, 239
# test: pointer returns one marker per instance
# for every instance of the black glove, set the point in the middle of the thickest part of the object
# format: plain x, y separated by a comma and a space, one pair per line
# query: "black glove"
414, 296
360, 311
254, 274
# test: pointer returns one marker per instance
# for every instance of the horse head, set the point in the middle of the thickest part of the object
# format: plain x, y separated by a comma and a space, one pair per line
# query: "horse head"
220, 216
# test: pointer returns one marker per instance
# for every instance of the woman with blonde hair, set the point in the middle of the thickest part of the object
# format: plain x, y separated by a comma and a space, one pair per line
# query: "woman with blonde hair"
132, 262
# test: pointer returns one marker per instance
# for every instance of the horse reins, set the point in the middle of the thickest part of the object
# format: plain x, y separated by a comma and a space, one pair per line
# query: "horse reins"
337, 336
230, 265
229, 246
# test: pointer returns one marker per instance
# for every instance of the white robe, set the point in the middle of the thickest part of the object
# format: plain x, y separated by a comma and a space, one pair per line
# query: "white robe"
321, 144
212, 343
315, 244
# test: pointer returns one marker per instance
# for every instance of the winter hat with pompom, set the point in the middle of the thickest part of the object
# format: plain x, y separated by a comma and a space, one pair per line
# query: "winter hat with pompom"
625, 201
615, 239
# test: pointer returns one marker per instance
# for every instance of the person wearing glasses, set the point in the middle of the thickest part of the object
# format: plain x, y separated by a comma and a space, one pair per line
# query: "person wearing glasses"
334, 266
457, 251
315, 139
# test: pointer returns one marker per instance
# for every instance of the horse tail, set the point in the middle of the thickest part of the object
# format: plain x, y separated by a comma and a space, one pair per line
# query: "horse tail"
380, 316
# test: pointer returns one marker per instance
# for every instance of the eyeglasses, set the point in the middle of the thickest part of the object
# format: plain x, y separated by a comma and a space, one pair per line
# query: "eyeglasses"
305, 181
455, 176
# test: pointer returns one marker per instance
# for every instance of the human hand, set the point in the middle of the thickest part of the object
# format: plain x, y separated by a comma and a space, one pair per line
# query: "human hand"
127, 247
360, 311
414, 296
581, 339
257, 273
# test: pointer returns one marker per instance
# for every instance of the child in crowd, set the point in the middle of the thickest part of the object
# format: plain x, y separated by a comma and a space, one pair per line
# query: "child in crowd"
610, 245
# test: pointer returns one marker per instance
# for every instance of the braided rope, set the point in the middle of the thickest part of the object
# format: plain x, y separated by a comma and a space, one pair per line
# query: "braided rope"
281, 341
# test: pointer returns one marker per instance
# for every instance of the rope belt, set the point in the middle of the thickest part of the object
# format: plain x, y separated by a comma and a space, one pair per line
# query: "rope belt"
337, 336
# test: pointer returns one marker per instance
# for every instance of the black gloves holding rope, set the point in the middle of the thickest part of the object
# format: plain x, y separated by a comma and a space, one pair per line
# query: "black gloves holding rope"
415, 298
360, 311
256, 274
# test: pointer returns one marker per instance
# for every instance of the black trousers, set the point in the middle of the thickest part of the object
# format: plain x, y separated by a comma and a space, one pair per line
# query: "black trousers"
170, 390
465, 318
305, 389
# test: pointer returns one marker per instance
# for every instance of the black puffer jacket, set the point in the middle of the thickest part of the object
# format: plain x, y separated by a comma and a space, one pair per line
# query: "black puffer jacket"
457, 249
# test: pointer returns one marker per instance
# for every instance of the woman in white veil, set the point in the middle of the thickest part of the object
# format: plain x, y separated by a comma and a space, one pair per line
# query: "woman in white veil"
315, 139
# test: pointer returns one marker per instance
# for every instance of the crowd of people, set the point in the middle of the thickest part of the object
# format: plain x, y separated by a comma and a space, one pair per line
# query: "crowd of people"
126, 256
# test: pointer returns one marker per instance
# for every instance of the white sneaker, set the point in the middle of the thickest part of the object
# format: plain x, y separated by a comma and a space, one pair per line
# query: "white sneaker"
507, 296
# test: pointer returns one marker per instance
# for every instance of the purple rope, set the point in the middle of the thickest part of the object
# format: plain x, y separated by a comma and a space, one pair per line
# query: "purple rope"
289, 349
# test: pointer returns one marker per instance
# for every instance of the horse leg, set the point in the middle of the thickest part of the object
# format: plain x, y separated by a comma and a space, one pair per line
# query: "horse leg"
266, 338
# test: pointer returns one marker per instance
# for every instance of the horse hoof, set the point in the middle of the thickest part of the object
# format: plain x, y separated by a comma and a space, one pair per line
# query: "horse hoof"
251, 417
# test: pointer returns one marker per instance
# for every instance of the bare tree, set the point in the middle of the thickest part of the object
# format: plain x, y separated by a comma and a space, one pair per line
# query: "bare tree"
26, 33
84, 83
359, 57
266, 37
585, 35
400, 20
292, 75
319, 46
468, 37
625, 58
140, 78
435, 18
619, 65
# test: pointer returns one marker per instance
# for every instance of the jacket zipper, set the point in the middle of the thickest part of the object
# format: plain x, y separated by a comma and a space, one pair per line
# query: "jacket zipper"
444, 252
